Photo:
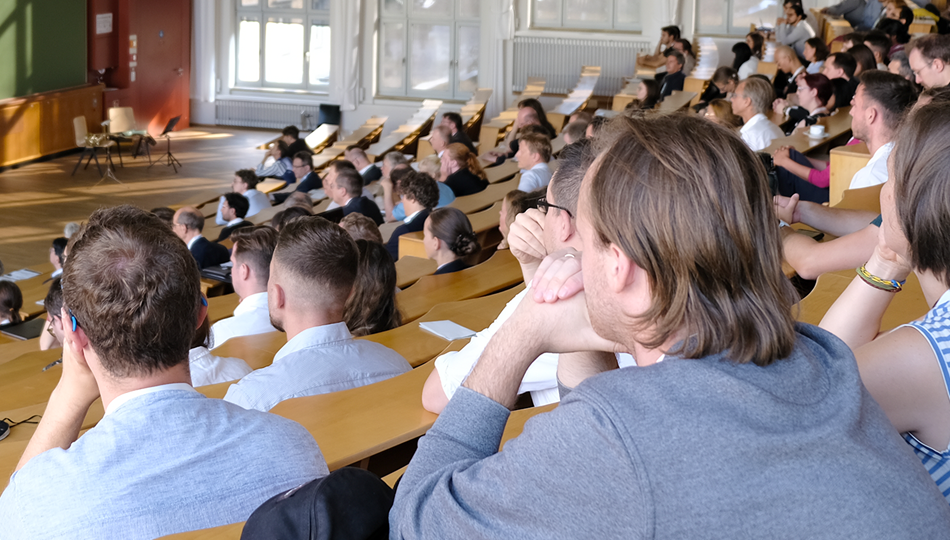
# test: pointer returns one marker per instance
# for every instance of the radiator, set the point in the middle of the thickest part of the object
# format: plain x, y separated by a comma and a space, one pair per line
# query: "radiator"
265, 115
559, 61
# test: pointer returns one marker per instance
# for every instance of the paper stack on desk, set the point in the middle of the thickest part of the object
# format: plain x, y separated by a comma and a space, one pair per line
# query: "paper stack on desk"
447, 330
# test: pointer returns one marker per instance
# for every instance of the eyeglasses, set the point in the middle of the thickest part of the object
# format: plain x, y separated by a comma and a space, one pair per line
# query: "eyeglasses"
543, 206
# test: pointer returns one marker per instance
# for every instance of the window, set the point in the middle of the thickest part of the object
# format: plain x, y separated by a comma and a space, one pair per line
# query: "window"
428, 48
735, 17
586, 14
283, 44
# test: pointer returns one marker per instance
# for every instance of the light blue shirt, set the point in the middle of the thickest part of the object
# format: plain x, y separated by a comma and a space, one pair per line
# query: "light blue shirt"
163, 461
446, 196
319, 360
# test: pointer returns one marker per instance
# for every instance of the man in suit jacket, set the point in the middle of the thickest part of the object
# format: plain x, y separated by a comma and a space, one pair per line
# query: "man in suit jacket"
369, 171
233, 209
346, 189
187, 224
453, 121
419, 194
674, 74
307, 179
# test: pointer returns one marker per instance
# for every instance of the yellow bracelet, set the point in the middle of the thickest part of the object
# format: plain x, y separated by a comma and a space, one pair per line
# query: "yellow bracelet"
889, 285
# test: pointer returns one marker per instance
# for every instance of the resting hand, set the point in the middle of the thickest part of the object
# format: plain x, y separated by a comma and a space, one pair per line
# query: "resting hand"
526, 239
885, 262
779, 106
562, 327
781, 156
558, 277
786, 208
77, 381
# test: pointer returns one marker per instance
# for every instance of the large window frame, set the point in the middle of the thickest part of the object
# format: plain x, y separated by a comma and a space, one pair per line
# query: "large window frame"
564, 22
399, 63
728, 26
314, 15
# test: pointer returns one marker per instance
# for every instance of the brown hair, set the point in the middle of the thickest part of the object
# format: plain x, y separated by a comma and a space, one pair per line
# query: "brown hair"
687, 202
758, 44
452, 226
421, 188
467, 160
893, 94
350, 180
932, 46
54, 298
372, 306
539, 144
574, 160
321, 257
864, 59
361, 227
576, 129
164, 213
11, 301
921, 176
542, 117
254, 246
248, 176
134, 288
518, 202
286, 216
722, 110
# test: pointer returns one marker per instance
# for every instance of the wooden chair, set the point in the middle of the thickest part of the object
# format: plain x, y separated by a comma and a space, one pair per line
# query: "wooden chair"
845, 162
91, 143
910, 304
122, 129
769, 69
693, 84
867, 199
410, 269
489, 196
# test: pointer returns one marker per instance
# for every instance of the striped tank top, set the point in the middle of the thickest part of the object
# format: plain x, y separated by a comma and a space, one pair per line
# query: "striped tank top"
936, 328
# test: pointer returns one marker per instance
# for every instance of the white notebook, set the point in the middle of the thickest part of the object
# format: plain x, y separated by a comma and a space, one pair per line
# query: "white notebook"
447, 330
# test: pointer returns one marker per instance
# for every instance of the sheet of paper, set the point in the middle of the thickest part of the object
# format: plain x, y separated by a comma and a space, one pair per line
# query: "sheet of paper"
447, 330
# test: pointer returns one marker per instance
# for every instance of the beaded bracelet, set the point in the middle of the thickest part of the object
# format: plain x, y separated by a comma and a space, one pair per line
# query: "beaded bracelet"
889, 285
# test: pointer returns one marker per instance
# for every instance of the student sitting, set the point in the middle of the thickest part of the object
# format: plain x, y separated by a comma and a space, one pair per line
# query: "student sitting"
291, 136
684, 47
11, 302
346, 189
361, 227
369, 171
453, 121
720, 112
187, 224
790, 67
675, 77
277, 164
286, 216
52, 335
864, 59
432, 165
574, 132
448, 239
723, 83
814, 91
233, 209
839, 68
816, 52
462, 172
312, 274
372, 306
245, 183
880, 45
418, 193
754, 98
534, 153
57, 255
514, 203
648, 92
668, 34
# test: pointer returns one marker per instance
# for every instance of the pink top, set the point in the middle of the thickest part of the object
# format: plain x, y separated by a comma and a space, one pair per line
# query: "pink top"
822, 178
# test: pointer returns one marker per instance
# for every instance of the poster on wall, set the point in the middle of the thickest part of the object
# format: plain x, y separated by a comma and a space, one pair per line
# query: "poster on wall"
103, 23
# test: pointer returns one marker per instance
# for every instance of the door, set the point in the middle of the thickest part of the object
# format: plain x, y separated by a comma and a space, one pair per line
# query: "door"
163, 67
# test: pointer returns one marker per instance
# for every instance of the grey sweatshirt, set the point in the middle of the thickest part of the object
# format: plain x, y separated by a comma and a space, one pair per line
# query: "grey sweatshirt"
682, 449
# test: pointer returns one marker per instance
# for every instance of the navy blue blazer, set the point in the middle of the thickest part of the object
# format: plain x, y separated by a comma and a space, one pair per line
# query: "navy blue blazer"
365, 206
207, 253
416, 225
454, 266
371, 175
672, 81
464, 182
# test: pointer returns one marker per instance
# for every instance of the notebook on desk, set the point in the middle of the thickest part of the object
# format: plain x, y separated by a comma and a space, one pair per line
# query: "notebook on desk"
24, 330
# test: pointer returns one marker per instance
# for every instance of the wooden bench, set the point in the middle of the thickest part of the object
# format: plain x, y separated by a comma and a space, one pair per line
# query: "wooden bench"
675, 102
479, 201
910, 304
410, 269
845, 162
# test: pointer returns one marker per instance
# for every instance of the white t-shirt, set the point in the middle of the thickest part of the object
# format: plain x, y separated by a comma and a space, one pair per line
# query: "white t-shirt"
759, 132
875, 172
534, 178
251, 317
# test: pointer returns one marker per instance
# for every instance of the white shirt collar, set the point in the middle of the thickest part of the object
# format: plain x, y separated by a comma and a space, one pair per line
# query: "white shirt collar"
411, 217
440, 154
193, 240
366, 168
752, 122
797, 71
126, 397
882, 152
56, 273
252, 302
347, 202
234, 221
317, 335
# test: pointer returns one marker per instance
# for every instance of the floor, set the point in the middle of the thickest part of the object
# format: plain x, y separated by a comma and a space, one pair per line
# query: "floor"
38, 199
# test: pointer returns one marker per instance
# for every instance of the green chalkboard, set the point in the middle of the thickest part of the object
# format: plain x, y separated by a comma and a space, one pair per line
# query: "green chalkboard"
42, 46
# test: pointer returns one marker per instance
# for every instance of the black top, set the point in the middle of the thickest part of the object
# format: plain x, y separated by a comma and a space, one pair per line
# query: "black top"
207, 253
309, 182
462, 137
785, 84
299, 145
365, 206
844, 91
416, 225
371, 175
464, 182
712, 92
226, 232
672, 81
454, 266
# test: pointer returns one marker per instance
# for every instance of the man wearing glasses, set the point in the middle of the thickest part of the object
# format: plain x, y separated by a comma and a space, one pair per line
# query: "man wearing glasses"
930, 59
539, 231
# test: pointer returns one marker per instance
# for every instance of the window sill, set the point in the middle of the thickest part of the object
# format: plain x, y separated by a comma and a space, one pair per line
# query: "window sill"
290, 94
606, 35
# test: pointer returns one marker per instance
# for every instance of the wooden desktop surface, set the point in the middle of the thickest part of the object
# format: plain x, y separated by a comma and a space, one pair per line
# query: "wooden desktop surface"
835, 126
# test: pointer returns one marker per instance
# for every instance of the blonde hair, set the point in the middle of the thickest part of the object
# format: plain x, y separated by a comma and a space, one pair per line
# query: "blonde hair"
467, 160
431, 165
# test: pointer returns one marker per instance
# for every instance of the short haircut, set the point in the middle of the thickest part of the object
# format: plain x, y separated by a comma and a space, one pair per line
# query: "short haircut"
191, 219
357, 150
59, 247
574, 161
905, 70
54, 298
821, 49
539, 144
239, 203
254, 246
11, 301
787, 52
456, 120
443, 132
320, 257
760, 92
680, 59
854, 37
921, 176
394, 158
797, 8
577, 130
672, 31
431, 165
863, 57
595, 124
878, 42
724, 74
305, 157
134, 289
845, 62
892, 93
286, 216
687, 201
583, 116
301, 199
248, 176
361, 227
292, 131
687, 46
350, 180
372, 306
453, 227
421, 188
341, 164
821, 84
518, 202
164, 213
932, 47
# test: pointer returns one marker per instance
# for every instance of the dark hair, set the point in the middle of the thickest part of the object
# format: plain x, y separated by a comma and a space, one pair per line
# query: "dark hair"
574, 161
932, 46
672, 31
361, 227
287, 215
680, 59
539, 144
577, 130
305, 157
854, 37
687, 46
321, 257
254, 246
248, 176
894, 29
192, 219
134, 289
742, 54
724, 74
283, 147
350, 180
456, 119
821, 50
372, 306
163, 213
879, 42
758, 44
398, 174
421, 188
518, 202
292, 131
452, 226
59, 246
894, 94
542, 116
905, 69
797, 8
54, 298
239, 203
721, 282
203, 337
845, 62
821, 84
11, 301
921, 176
597, 123
863, 57
341, 164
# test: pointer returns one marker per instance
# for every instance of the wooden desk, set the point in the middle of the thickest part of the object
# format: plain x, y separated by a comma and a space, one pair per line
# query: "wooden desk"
487, 219
222, 307
845, 162
907, 305
499, 272
16, 348
410, 269
489, 196
677, 101
868, 199
836, 126
322, 137
502, 172
24, 382
34, 290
